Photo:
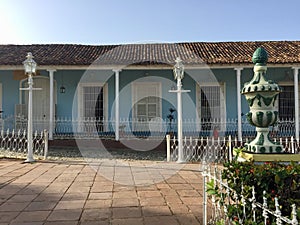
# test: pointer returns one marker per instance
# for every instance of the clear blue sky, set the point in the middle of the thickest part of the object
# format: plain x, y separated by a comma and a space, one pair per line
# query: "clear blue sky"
140, 21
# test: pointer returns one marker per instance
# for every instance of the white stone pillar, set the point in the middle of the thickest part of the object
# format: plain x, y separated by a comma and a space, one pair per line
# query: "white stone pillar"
117, 104
296, 92
51, 113
239, 103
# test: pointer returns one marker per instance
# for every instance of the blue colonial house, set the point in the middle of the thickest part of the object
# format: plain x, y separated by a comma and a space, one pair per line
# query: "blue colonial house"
120, 91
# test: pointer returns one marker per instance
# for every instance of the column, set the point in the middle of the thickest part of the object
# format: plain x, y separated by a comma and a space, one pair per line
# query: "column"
296, 92
239, 103
51, 113
117, 104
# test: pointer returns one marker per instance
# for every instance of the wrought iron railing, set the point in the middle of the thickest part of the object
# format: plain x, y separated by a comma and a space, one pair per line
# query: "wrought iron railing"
67, 127
13, 144
211, 149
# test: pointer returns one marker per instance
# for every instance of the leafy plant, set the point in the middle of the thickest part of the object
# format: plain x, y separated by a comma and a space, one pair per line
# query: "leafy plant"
275, 179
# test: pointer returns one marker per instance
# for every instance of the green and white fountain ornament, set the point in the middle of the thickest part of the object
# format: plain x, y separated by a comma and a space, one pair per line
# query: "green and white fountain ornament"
262, 97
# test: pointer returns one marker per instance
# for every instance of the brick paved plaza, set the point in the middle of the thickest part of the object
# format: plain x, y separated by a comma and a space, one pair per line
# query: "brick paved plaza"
108, 192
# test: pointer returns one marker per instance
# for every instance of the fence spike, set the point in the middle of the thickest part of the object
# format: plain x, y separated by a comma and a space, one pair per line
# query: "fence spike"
265, 207
294, 215
278, 212
253, 205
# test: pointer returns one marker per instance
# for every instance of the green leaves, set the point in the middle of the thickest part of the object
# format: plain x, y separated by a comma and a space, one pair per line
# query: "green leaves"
211, 190
277, 179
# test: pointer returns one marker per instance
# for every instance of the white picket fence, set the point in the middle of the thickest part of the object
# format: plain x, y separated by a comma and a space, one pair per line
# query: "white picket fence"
215, 213
219, 149
13, 144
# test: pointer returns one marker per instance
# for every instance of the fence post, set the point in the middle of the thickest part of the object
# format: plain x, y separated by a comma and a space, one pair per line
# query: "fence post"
168, 147
204, 172
229, 149
46, 139
292, 145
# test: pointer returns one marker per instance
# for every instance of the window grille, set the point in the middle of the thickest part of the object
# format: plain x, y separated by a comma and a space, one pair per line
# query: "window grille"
93, 102
211, 105
287, 103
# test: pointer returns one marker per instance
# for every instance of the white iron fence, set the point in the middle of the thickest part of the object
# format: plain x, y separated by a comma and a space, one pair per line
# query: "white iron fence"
66, 127
219, 149
215, 209
13, 144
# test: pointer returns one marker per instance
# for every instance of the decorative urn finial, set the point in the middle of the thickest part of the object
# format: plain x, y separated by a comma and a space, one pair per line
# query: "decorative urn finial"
260, 57
262, 97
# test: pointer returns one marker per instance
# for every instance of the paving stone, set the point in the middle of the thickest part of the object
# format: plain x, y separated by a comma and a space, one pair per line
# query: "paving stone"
179, 208
125, 194
22, 198
82, 184
100, 203
188, 193
188, 219
69, 196
175, 180
104, 222
146, 187
48, 197
118, 187
103, 188
74, 204
76, 189
168, 192
157, 220
45, 205
61, 223
26, 223
156, 211
96, 214
13, 206
181, 186
130, 221
173, 199
122, 202
8, 216
126, 212
191, 200
152, 201
103, 195
149, 194
65, 214
162, 186
32, 216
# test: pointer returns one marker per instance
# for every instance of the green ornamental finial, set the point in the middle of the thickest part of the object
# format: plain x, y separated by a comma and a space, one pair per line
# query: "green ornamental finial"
260, 57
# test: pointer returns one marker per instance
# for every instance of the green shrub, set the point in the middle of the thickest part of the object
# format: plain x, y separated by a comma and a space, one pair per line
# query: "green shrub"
275, 179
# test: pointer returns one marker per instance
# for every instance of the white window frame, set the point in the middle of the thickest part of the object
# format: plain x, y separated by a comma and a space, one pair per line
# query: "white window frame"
222, 103
105, 97
136, 98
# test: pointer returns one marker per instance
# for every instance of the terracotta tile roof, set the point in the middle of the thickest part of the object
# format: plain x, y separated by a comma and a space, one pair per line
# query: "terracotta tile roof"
151, 54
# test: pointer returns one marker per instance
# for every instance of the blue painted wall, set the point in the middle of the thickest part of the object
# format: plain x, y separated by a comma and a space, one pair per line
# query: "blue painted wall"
10, 92
70, 79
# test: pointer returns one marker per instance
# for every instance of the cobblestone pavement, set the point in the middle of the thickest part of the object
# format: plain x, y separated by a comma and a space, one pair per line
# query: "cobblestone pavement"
114, 192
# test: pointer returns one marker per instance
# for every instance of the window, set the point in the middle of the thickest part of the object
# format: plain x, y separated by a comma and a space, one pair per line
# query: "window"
287, 102
147, 108
93, 106
210, 105
146, 104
